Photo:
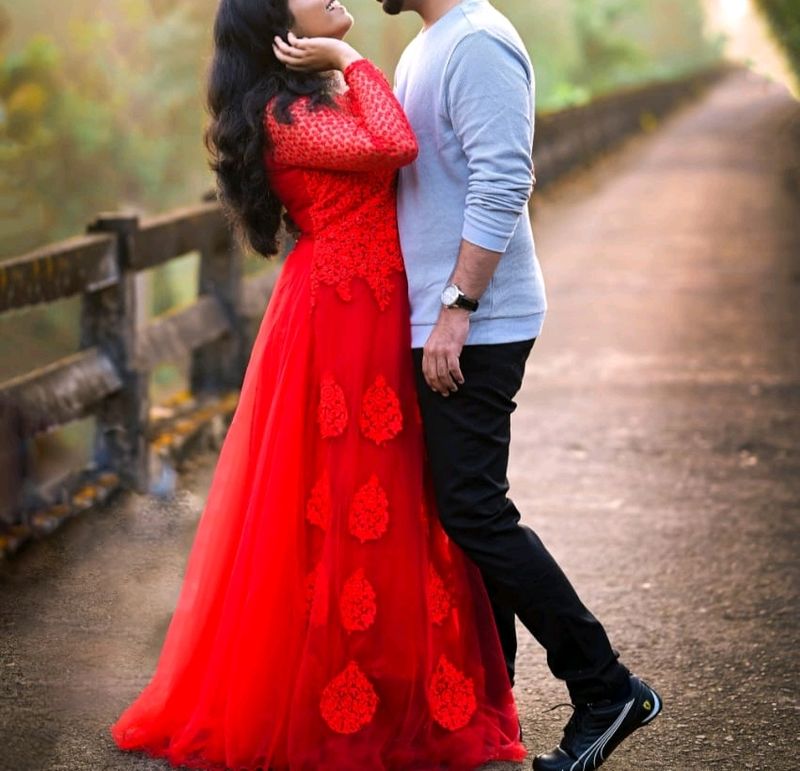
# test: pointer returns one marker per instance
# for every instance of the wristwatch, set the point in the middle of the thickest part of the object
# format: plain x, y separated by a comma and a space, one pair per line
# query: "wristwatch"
453, 297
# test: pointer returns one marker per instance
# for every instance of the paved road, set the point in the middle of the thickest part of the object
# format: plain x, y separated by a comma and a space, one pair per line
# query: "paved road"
656, 452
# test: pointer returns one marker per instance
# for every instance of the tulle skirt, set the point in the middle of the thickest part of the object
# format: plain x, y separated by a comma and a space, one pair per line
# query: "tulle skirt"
325, 620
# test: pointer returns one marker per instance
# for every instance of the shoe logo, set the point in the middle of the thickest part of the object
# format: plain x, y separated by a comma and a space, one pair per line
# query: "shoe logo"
647, 705
656, 707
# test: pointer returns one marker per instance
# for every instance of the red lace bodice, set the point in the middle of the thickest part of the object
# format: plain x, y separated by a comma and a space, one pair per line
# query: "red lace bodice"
334, 168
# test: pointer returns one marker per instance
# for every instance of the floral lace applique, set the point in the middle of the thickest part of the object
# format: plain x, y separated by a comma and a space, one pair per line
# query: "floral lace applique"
368, 249
317, 596
369, 512
381, 418
332, 411
348, 701
439, 603
318, 506
451, 696
357, 603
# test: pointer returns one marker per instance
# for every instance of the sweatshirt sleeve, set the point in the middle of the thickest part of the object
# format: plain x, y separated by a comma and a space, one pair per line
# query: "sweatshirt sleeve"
489, 100
368, 131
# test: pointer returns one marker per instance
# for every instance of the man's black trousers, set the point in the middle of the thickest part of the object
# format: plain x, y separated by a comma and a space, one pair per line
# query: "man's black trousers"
467, 436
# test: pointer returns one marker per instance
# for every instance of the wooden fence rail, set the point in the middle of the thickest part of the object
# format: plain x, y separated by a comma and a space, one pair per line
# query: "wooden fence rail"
108, 378
569, 138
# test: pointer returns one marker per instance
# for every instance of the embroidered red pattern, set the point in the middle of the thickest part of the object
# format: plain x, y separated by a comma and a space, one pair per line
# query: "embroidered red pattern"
357, 604
439, 602
367, 131
451, 696
332, 411
353, 215
381, 418
348, 701
369, 512
318, 507
368, 249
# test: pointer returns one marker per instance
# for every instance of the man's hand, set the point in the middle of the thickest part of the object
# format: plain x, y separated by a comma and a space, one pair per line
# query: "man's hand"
440, 364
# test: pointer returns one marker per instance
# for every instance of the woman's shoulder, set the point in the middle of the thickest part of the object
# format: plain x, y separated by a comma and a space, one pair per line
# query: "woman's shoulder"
302, 108
274, 112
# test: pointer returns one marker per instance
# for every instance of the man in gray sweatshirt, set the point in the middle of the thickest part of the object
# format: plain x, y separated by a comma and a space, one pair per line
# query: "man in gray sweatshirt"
478, 304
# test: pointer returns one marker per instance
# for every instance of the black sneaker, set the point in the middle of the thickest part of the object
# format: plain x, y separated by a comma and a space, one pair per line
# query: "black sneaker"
595, 730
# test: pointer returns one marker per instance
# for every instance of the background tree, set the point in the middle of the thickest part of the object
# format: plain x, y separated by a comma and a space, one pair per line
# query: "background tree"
102, 107
101, 104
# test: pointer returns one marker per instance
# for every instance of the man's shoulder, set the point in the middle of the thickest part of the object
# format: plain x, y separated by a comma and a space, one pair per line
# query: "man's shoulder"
484, 17
485, 30
476, 33
471, 17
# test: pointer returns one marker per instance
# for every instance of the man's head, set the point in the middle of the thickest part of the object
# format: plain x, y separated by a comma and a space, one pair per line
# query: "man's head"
393, 7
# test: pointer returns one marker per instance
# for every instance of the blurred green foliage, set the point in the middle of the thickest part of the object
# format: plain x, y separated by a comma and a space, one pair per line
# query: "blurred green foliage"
784, 18
101, 104
98, 114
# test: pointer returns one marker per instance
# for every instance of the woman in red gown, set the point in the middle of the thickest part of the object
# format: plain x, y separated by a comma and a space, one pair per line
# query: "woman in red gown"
325, 621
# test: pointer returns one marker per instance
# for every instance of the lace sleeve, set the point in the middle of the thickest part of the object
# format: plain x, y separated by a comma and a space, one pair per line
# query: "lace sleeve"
366, 132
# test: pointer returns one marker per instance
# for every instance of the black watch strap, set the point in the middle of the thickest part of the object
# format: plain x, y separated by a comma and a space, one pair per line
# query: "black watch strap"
466, 303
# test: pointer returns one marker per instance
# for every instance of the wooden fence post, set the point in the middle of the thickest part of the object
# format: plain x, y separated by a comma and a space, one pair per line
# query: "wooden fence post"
220, 365
108, 321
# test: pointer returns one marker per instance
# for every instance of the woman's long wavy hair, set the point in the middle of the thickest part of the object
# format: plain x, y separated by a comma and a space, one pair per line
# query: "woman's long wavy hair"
244, 76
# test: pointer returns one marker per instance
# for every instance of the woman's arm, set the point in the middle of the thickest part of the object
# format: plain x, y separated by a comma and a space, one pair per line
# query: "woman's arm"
369, 131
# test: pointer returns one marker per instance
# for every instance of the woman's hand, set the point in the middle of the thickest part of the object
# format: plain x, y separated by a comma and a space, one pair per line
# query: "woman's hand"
314, 54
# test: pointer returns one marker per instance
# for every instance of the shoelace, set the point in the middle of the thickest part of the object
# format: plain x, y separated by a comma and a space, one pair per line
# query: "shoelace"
561, 704
575, 722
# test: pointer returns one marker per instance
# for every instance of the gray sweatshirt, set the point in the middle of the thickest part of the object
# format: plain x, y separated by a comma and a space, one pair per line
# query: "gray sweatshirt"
467, 86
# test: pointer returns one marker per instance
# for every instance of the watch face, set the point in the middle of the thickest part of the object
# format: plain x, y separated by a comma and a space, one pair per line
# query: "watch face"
450, 295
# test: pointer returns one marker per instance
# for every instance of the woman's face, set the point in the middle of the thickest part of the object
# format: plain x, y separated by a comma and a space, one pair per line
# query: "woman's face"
320, 18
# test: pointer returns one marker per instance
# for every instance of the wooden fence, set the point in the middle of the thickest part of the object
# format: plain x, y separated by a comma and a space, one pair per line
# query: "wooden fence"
108, 377
573, 137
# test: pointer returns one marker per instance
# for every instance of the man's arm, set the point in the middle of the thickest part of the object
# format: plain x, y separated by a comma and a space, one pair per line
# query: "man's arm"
490, 104
440, 365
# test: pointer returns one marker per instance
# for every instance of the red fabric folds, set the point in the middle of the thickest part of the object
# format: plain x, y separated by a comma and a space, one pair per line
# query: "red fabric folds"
325, 620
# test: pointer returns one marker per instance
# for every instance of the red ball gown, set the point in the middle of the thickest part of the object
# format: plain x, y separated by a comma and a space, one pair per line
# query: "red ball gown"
325, 620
